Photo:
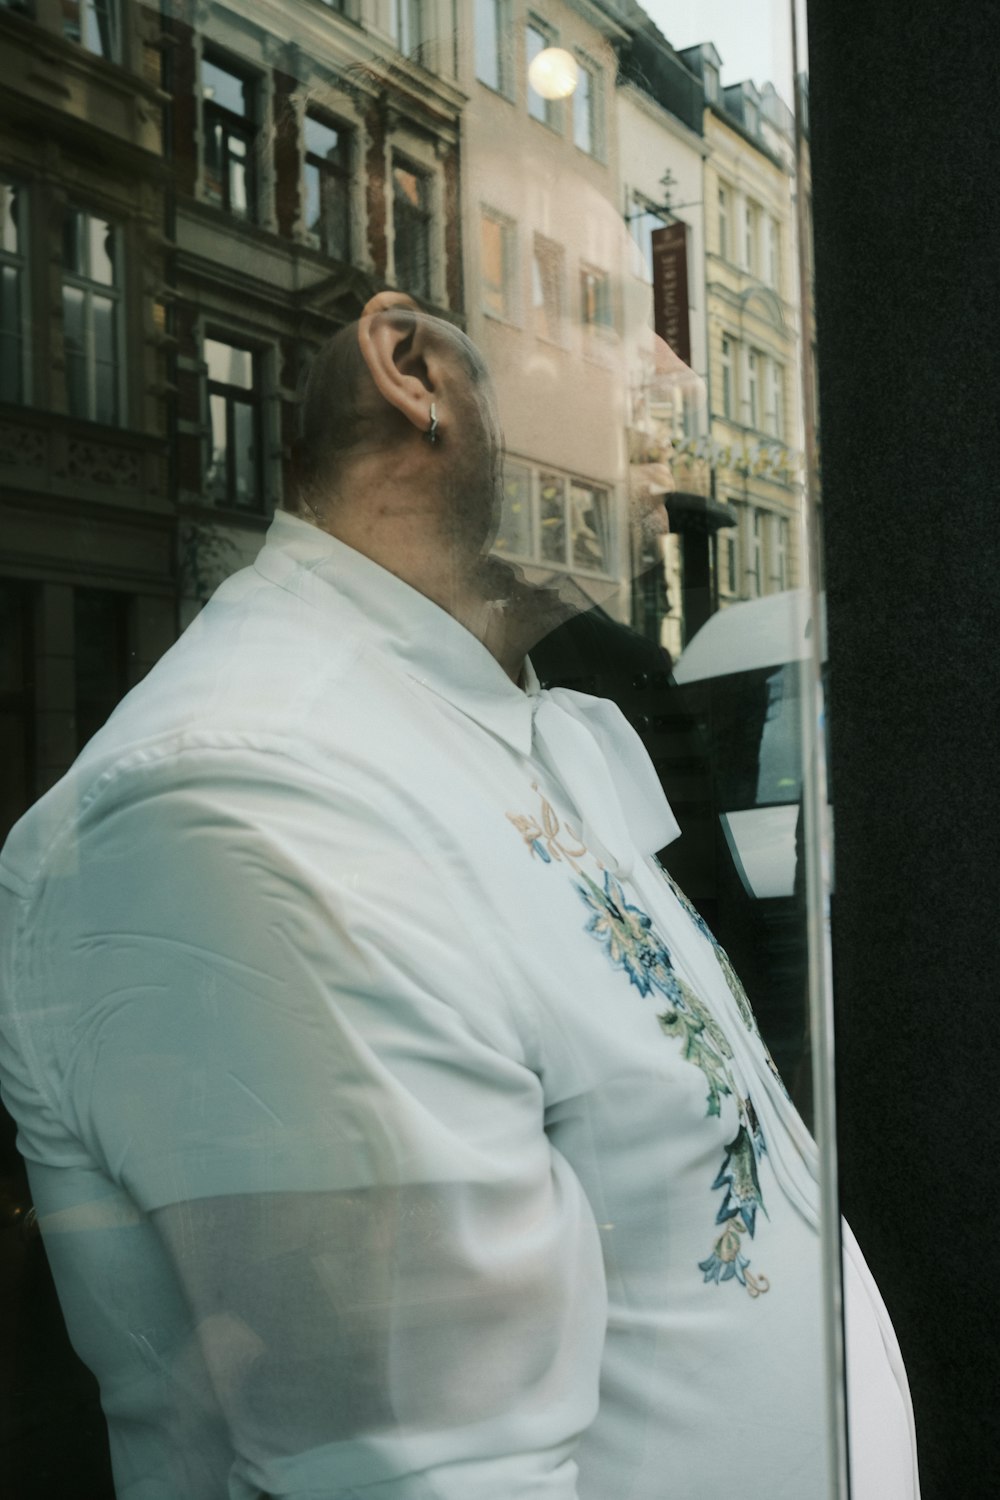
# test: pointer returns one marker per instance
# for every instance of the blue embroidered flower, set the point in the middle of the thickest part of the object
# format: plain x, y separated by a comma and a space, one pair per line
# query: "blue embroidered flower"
727, 1264
738, 1175
625, 933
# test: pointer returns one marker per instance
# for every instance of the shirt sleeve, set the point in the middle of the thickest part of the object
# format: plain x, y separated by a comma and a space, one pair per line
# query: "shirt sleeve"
283, 1043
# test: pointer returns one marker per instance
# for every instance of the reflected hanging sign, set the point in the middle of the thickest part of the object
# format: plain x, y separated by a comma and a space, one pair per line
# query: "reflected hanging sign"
670, 289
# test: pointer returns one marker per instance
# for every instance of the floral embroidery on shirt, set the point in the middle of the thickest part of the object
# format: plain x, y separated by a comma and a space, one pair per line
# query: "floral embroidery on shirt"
627, 935
730, 975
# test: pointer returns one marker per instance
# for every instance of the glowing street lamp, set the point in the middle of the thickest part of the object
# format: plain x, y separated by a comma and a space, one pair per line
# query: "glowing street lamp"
554, 73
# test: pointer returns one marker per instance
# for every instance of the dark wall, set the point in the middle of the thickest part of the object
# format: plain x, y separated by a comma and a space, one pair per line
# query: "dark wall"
904, 167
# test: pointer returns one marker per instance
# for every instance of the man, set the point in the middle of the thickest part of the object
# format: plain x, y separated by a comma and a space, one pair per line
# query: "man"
395, 1127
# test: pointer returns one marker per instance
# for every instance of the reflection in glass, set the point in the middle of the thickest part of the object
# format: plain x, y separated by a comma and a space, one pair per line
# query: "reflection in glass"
233, 476
547, 288
94, 24
539, 108
12, 281
412, 228
228, 134
514, 535
327, 186
589, 534
584, 132
552, 517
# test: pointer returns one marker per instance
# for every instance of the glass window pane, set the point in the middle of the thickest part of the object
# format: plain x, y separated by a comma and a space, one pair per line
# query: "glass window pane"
228, 364
514, 536
492, 267
552, 517
547, 289
216, 478
74, 341
101, 251
323, 140
336, 215
244, 455
312, 196
583, 111
75, 241
409, 186
214, 144
238, 175
9, 204
224, 88
589, 527
488, 42
536, 41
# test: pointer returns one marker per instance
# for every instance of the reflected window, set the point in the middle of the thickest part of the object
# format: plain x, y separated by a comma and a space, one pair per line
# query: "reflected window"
728, 389
538, 36
755, 569
596, 302
492, 20
497, 263
774, 402
548, 282
13, 292
753, 388
91, 304
589, 539
732, 573
95, 25
229, 131
751, 225
411, 200
514, 537
234, 477
779, 564
327, 181
552, 517
724, 219
773, 253
585, 103
408, 27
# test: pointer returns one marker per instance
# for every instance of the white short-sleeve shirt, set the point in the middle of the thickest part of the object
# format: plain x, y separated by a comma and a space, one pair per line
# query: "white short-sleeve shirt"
396, 1127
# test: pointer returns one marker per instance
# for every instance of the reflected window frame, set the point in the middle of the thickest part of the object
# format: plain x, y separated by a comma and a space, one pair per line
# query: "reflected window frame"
588, 105
724, 219
413, 227
15, 292
231, 126
492, 59
597, 301
548, 289
547, 112
543, 508
498, 284
408, 28
334, 235
83, 285
231, 398
94, 25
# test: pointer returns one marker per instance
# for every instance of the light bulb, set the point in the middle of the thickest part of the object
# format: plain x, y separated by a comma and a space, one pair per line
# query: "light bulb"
554, 73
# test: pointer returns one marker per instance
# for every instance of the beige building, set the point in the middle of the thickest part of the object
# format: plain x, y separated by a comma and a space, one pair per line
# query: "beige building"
753, 333
546, 252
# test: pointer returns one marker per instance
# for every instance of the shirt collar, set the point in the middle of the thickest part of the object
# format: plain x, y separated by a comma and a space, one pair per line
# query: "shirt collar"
425, 642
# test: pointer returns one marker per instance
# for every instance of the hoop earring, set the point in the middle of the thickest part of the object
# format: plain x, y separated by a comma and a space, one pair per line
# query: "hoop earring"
432, 432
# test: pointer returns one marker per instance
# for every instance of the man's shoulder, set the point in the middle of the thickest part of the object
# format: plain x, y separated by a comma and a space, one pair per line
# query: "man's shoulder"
259, 683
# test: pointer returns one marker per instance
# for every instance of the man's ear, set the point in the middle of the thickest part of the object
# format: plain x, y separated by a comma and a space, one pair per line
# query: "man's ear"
400, 355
